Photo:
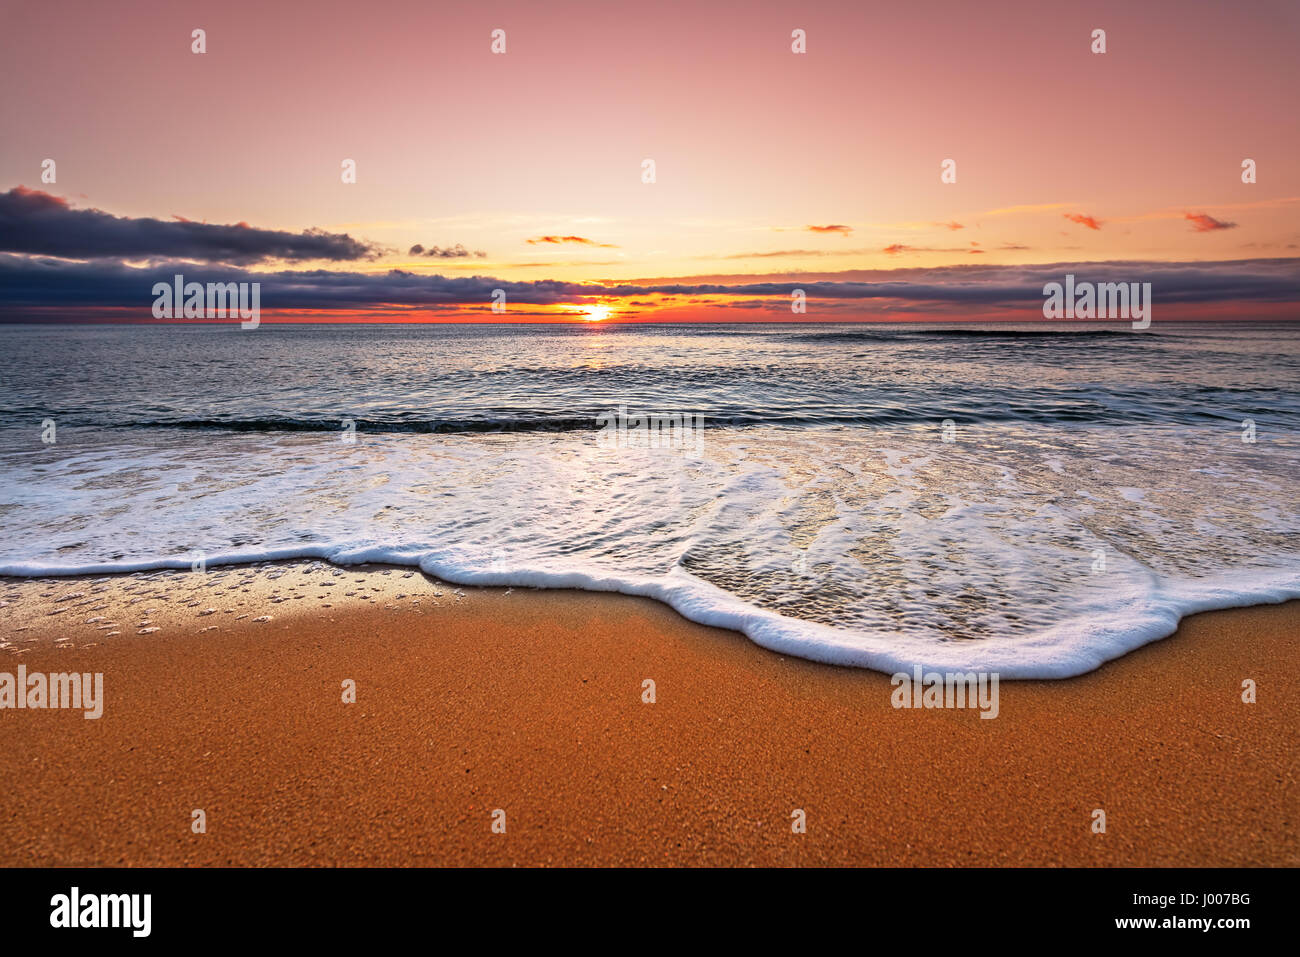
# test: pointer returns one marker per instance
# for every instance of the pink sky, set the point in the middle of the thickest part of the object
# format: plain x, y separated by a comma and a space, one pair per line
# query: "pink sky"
1062, 154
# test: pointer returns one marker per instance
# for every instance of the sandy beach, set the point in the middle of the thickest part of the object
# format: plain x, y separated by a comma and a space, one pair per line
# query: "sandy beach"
223, 692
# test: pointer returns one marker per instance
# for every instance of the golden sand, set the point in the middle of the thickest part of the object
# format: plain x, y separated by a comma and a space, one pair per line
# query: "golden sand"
223, 693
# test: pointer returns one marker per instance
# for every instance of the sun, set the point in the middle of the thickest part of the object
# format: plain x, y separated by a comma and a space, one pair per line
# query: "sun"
597, 313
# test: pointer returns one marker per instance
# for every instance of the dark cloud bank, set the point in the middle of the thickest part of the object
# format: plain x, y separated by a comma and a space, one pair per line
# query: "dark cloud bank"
27, 282
40, 224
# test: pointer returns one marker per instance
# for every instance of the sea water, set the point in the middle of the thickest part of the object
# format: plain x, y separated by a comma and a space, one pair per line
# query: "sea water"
1028, 500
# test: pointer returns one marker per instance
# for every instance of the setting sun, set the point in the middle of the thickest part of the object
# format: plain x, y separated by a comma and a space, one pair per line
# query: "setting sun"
596, 313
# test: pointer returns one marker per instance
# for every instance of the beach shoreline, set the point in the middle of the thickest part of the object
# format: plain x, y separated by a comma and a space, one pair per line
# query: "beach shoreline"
471, 701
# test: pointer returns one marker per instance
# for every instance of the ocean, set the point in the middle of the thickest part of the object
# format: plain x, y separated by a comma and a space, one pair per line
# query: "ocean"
1026, 500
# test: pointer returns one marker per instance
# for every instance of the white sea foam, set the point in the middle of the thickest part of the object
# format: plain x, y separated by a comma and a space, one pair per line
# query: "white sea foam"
1032, 552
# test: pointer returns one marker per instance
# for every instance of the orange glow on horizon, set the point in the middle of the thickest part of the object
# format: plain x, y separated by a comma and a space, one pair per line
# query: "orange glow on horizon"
597, 313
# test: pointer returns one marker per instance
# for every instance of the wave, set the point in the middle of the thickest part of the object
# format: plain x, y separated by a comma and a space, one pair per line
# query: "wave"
872, 548
903, 335
1024, 412
1133, 617
402, 425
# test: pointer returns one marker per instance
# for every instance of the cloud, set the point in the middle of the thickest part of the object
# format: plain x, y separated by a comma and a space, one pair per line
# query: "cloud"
568, 263
1083, 220
445, 252
31, 286
897, 248
561, 240
833, 228
36, 223
1205, 223
776, 253
954, 225
1020, 210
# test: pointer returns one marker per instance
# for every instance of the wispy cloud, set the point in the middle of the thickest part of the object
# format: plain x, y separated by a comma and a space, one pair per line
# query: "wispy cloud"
445, 252
1029, 208
1205, 223
792, 253
833, 228
1084, 220
568, 240
897, 248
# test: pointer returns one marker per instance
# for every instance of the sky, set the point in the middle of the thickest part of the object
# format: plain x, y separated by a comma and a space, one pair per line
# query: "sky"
524, 170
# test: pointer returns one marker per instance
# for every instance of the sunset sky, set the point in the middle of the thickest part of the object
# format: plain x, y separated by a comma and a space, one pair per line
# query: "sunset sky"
773, 169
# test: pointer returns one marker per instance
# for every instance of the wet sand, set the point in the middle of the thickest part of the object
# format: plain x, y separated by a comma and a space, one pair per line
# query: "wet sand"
473, 700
